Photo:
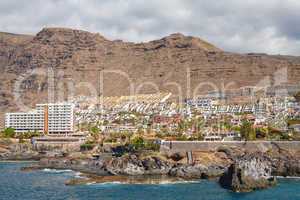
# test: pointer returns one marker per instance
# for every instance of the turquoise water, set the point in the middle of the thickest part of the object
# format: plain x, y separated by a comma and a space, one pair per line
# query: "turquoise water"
43, 185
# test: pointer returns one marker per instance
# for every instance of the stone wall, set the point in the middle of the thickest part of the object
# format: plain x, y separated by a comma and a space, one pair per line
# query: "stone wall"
184, 146
69, 147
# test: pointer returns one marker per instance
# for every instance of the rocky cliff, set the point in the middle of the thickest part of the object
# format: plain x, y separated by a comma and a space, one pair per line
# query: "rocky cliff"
237, 169
77, 57
249, 172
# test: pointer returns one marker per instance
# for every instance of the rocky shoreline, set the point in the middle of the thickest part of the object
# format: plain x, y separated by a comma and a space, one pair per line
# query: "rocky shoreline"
236, 169
86, 179
248, 172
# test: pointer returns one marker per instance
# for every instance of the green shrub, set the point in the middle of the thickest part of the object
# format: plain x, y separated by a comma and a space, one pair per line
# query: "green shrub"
285, 136
110, 140
137, 142
9, 133
151, 145
30, 135
247, 131
95, 130
87, 146
181, 137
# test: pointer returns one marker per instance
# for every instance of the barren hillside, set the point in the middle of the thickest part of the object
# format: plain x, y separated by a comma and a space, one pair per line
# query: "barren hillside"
77, 59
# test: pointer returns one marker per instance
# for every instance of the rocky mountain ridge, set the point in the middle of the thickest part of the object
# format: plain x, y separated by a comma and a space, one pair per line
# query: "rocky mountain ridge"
76, 58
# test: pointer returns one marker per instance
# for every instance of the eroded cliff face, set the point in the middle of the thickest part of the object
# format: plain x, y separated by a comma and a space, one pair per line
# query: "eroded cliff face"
249, 172
77, 58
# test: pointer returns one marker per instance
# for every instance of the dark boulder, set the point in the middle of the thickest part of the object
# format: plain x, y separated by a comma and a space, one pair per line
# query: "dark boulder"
231, 152
177, 156
134, 165
196, 171
250, 172
188, 171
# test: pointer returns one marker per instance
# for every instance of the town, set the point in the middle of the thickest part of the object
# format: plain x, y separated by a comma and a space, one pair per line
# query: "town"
84, 122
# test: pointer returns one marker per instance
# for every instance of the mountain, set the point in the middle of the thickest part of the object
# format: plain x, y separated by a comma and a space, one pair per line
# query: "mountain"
77, 59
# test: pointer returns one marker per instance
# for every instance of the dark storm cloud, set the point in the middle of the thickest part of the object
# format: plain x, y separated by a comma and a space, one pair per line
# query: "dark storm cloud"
270, 26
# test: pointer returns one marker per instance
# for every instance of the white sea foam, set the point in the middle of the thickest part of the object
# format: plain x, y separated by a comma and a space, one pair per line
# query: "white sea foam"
147, 183
78, 175
288, 177
58, 171
91, 183
175, 182
106, 183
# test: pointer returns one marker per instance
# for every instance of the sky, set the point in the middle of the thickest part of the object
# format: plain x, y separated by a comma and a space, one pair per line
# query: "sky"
244, 26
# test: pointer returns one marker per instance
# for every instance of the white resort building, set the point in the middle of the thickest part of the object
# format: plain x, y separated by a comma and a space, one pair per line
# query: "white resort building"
52, 118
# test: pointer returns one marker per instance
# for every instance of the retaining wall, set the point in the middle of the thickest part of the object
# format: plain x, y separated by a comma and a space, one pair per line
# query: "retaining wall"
57, 146
184, 146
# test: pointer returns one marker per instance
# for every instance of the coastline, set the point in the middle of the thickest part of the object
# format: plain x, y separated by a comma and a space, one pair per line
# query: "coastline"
236, 168
84, 178
53, 183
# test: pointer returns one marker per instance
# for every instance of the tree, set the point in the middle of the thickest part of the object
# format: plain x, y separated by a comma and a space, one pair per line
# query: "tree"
95, 130
88, 146
9, 133
181, 127
227, 125
199, 136
164, 130
138, 142
95, 133
262, 133
198, 124
247, 131
140, 131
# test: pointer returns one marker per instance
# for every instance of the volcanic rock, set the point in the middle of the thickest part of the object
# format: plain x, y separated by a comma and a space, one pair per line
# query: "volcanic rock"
250, 172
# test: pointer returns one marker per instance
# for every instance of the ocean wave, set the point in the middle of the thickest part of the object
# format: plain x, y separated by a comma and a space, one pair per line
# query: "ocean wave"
288, 177
78, 175
94, 183
58, 171
91, 183
177, 182
142, 183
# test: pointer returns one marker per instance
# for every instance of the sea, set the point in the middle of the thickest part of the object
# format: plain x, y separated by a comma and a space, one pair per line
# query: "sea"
50, 184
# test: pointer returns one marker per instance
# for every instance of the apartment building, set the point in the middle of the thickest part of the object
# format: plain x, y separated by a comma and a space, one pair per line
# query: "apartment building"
54, 118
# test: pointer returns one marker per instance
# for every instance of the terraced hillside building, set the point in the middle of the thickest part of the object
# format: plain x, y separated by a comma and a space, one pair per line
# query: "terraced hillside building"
54, 118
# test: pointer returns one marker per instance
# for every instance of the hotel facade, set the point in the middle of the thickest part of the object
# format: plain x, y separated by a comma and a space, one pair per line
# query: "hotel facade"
54, 118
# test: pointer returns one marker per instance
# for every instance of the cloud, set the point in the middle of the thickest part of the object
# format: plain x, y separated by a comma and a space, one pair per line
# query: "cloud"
269, 26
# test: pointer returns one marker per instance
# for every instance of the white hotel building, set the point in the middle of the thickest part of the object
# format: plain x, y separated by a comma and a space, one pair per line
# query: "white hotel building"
53, 118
